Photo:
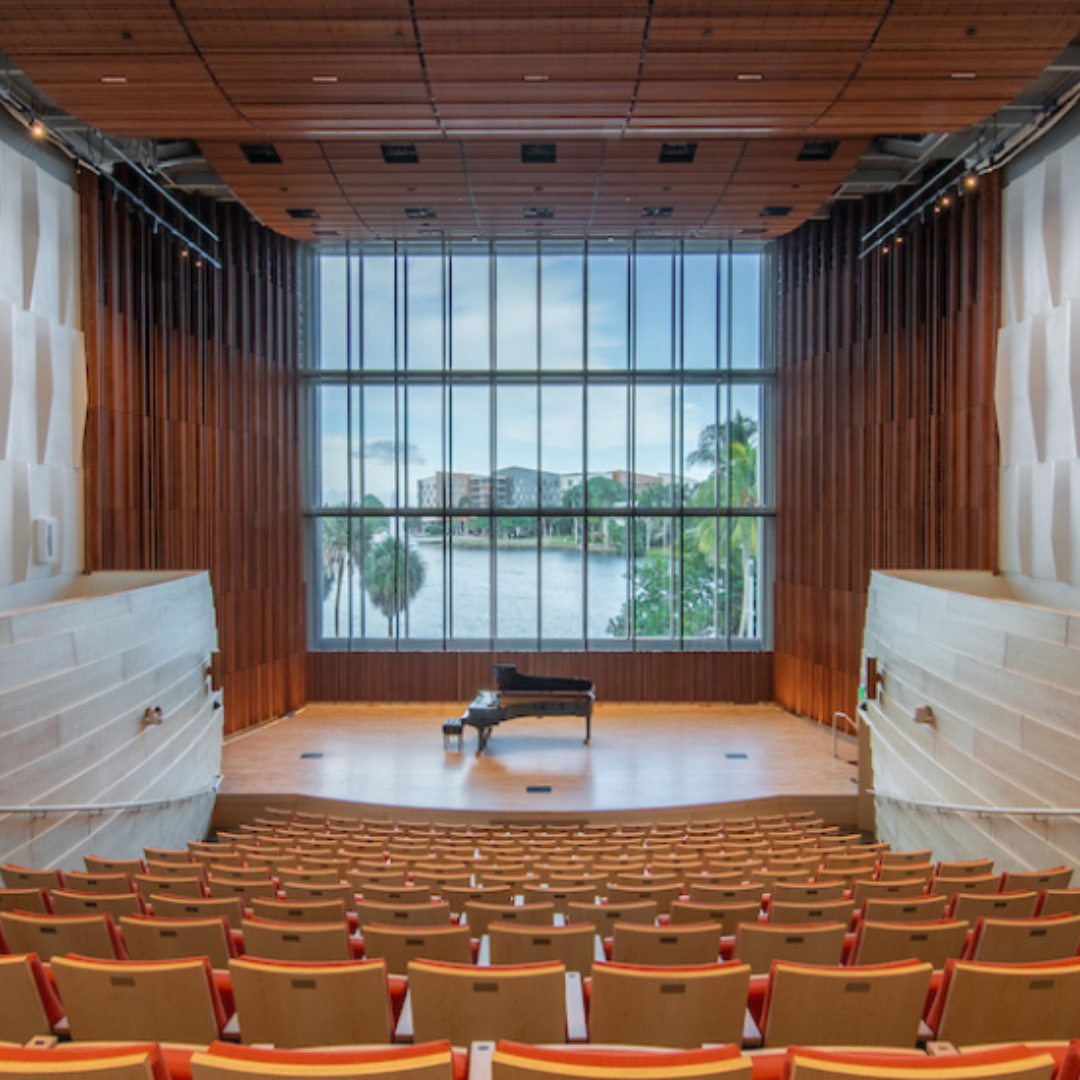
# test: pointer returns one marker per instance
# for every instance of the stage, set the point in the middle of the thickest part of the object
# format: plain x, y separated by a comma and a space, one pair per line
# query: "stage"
670, 761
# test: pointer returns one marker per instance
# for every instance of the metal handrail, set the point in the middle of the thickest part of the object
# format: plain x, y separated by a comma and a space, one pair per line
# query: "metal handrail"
835, 716
979, 811
142, 804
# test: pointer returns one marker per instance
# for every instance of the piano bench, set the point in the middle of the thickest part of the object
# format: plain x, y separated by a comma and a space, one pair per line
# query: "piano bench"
452, 729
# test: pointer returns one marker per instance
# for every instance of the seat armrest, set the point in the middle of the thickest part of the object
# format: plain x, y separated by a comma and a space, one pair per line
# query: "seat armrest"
404, 1030
480, 1065
577, 1030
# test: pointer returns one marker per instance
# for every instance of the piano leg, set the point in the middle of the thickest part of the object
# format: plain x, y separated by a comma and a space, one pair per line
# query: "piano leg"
482, 736
588, 727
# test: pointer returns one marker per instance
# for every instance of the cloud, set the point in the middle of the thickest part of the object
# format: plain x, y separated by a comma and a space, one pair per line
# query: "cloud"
385, 451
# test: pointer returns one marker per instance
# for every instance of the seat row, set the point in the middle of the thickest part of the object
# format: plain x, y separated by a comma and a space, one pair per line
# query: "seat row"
296, 1005
507, 1060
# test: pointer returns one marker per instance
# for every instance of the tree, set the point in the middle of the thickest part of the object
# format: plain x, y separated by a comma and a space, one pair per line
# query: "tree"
344, 541
393, 575
731, 451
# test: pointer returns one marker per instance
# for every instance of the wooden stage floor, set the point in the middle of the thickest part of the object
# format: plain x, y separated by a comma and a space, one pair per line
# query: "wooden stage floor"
642, 757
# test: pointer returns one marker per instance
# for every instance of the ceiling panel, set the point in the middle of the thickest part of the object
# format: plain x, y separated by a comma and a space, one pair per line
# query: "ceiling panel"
468, 81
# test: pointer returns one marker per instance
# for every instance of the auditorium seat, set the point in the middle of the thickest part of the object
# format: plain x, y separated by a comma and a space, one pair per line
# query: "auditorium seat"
237, 873
968, 883
688, 943
980, 1003
246, 891
28, 899
807, 892
464, 1003
399, 895
459, 895
433, 913
906, 871
887, 890
479, 916
906, 858
1057, 877
306, 875
1002, 905
840, 911
128, 1061
663, 895
604, 916
727, 894
306, 911
397, 945
151, 884
342, 891
425, 1061
302, 942
99, 864
933, 942
878, 1005
759, 944
70, 902
437, 881
28, 877
52, 935
165, 1000
907, 909
996, 1063
30, 1005
518, 1061
358, 877
726, 916
574, 945
1045, 937
85, 881
559, 895
295, 1005
682, 1006
1059, 901
964, 868
229, 908
173, 855
154, 938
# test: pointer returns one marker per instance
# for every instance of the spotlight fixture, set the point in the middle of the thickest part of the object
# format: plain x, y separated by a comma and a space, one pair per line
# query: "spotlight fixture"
37, 129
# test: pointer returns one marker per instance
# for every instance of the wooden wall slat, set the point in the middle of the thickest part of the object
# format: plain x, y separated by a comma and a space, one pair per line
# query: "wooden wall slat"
192, 454
887, 446
457, 676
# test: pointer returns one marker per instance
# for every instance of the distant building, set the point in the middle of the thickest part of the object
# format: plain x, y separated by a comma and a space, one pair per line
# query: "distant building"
514, 488
433, 491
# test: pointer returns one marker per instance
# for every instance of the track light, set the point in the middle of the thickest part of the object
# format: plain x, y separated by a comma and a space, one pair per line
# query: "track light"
37, 129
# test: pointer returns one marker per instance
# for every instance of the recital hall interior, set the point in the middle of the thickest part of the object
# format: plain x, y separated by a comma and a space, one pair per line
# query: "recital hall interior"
540, 539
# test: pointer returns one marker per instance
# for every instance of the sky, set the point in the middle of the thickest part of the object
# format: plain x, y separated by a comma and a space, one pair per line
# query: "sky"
540, 323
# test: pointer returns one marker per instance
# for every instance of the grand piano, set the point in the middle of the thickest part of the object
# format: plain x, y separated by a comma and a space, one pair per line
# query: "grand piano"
517, 695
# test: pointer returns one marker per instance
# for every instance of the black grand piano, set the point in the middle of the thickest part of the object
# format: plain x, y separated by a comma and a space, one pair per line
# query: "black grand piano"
522, 695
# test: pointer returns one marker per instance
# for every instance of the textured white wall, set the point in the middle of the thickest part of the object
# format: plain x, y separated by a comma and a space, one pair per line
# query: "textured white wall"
42, 367
1038, 374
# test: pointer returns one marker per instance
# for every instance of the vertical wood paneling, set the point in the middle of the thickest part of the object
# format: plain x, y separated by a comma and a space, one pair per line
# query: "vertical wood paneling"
192, 446
887, 449
457, 676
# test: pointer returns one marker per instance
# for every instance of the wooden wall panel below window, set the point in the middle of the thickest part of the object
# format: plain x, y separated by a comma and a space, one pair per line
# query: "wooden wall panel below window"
739, 677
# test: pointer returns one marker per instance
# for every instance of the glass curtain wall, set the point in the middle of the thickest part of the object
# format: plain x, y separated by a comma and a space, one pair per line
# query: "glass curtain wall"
540, 446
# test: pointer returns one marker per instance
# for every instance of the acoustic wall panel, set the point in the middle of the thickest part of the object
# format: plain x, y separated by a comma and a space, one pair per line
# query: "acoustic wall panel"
42, 367
1038, 399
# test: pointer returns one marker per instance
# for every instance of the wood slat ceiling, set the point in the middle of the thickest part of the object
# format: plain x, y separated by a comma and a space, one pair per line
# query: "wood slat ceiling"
468, 81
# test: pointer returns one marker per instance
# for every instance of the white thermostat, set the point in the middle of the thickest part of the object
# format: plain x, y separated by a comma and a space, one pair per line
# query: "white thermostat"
46, 540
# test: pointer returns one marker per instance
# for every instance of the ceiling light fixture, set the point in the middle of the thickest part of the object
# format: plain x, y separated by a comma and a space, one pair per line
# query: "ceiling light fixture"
749, 76
963, 75
328, 79
37, 129
536, 78
114, 80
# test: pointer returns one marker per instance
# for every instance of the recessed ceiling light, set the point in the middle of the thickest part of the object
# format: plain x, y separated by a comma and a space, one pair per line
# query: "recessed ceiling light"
324, 79
776, 211
114, 80
959, 75
536, 78
657, 211
539, 212
749, 76
302, 213
420, 212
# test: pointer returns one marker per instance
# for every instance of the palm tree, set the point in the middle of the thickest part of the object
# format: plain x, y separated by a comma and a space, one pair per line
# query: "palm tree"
393, 575
732, 453
344, 541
